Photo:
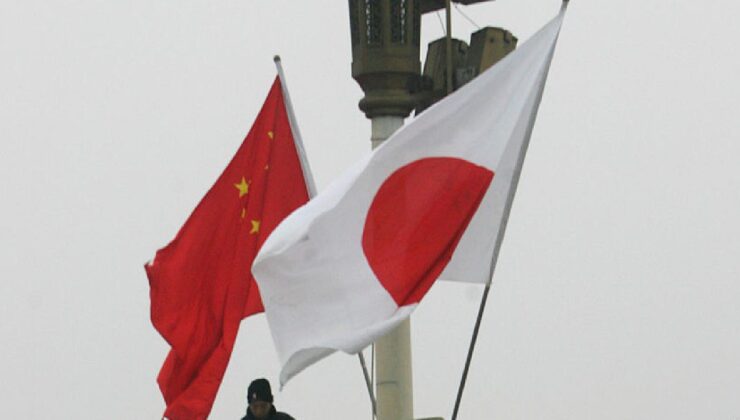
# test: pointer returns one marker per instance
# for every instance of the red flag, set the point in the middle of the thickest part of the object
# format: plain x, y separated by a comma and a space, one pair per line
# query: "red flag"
200, 284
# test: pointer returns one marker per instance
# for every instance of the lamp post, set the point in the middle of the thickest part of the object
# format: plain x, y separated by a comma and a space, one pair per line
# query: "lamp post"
385, 63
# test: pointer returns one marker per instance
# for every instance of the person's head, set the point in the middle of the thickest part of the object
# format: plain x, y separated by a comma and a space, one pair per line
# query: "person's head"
259, 397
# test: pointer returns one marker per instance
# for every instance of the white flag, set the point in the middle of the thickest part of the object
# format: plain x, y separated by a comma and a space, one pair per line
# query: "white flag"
430, 203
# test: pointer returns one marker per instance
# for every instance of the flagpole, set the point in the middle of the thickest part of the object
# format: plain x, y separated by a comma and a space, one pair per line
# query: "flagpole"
369, 384
307, 175
504, 222
473, 340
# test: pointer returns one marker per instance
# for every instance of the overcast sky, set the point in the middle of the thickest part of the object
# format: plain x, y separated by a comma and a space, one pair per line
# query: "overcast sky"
617, 293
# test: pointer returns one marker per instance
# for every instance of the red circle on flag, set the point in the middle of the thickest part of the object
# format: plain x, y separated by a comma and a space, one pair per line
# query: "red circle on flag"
416, 220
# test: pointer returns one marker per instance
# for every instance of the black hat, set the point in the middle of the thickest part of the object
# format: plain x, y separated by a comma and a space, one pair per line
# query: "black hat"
259, 390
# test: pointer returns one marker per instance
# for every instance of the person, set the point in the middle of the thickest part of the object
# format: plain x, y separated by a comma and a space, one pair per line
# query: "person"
259, 400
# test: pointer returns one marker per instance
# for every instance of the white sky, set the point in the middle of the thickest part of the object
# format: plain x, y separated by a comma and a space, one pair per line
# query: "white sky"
618, 288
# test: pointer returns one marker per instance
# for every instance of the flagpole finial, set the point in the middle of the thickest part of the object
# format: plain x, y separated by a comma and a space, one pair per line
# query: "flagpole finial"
277, 57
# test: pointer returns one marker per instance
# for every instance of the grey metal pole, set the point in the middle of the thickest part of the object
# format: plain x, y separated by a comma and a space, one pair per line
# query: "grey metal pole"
469, 358
369, 384
504, 222
393, 386
307, 175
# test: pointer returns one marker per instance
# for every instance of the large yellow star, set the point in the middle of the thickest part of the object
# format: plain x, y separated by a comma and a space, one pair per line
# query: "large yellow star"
255, 227
243, 187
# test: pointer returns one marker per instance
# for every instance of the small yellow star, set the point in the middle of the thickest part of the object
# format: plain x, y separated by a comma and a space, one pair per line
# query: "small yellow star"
255, 227
271, 135
243, 187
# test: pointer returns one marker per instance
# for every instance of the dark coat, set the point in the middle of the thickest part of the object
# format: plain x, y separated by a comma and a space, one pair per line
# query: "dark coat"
274, 415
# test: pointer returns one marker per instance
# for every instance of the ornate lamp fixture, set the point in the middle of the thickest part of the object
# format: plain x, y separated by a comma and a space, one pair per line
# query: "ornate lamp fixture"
385, 54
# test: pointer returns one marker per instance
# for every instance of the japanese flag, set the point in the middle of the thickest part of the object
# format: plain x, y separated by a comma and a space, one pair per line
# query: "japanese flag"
430, 203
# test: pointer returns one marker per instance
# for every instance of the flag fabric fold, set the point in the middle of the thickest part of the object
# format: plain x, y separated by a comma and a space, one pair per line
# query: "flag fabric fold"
429, 203
200, 283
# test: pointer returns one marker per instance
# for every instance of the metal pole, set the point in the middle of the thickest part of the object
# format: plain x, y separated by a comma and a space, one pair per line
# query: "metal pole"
449, 46
393, 386
473, 340
504, 222
297, 139
383, 127
369, 384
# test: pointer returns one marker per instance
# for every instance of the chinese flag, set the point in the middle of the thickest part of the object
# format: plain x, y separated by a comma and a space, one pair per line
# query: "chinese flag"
201, 286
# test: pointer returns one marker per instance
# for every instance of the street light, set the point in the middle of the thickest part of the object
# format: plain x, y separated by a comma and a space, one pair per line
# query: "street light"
487, 46
385, 52
385, 63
